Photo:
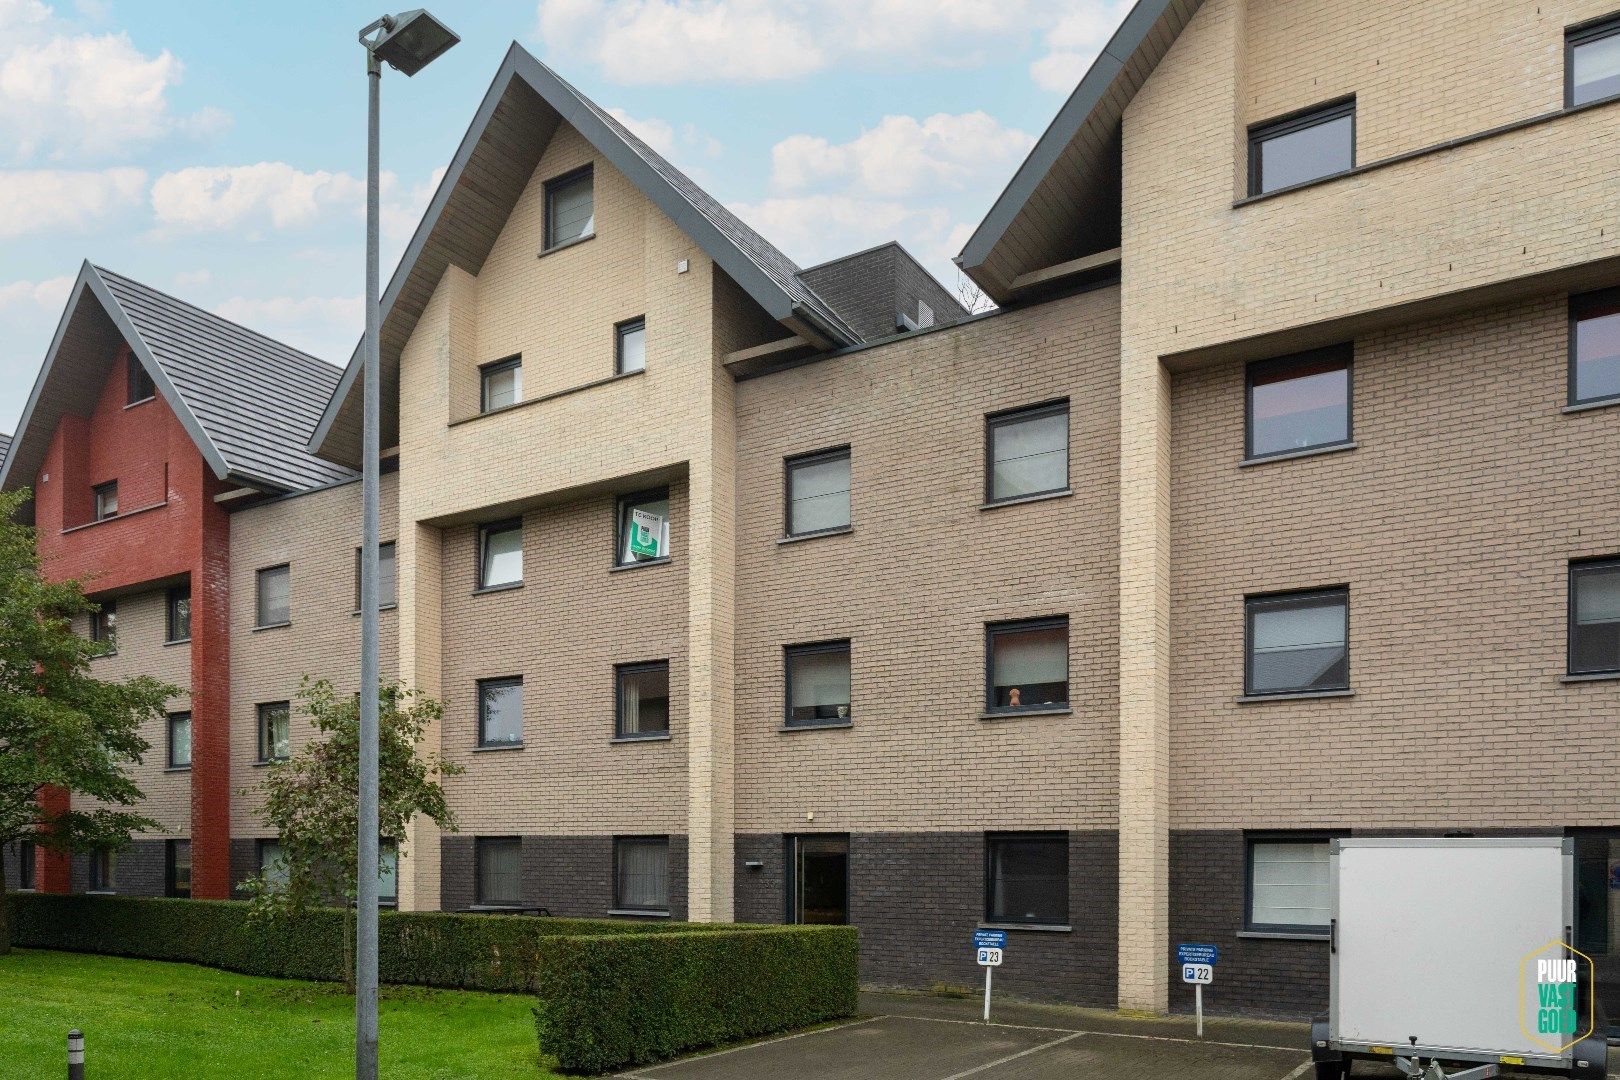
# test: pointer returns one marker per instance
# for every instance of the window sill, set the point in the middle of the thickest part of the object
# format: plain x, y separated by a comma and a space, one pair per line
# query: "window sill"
110, 892
266, 762
830, 725
1038, 928
105, 656
662, 736
496, 748
635, 914
142, 401
1034, 710
1294, 455
180, 768
380, 608
1588, 406
1306, 695
1280, 935
1019, 500
543, 398
795, 538
619, 567
507, 586
115, 517
272, 626
177, 641
565, 245
1593, 676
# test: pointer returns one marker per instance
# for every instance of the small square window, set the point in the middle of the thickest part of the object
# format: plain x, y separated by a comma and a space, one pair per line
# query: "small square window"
106, 500
1027, 878
1594, 617
1028, 664
1027, 452
1299, 402
387, 581
570, 208
642, 700
501, 384
179, 740
103, 870
274, 597
1289, 890
630, 348
818, 683
1297, 149
1592, 63
1298, 643
104, 624
641, 873
177, 868
500, 712
499, 870
500, 554
818, 492
272, 865
25, 866
643, 529
140, 383
1594, 346
177, 614
275, 731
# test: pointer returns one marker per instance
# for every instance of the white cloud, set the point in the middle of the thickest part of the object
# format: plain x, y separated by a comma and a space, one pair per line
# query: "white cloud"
1074, 42
903, 156
658, 134
250, 196
38, 200
190, 279
324, 326
48, 295
815, 228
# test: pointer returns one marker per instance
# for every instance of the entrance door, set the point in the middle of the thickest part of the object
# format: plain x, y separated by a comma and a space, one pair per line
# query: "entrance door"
818, 880
1597, 914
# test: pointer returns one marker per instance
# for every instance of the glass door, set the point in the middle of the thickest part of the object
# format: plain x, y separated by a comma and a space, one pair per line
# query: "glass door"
818, 885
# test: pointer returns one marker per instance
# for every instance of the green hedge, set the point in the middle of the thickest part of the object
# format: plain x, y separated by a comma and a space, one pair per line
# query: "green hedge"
611, 1001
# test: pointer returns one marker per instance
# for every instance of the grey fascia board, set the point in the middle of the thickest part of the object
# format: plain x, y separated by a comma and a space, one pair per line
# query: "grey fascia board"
85, 270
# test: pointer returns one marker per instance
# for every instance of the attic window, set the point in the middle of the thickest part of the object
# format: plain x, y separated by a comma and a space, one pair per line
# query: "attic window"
106, 500
1306, 146
140, 383
570, 208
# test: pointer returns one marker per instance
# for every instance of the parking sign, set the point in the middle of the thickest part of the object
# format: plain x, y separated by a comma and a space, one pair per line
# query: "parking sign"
990, 957
1198, 974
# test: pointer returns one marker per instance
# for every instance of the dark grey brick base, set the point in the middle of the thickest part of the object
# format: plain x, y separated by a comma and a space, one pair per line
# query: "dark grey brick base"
917, 897
570, 876
139, 871
244, 864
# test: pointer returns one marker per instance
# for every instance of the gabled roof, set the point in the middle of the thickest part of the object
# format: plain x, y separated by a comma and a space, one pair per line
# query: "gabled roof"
1063, 203
494, 163
248, 401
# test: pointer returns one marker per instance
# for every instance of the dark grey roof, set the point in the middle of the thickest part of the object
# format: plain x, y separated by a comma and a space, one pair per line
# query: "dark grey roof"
870, 289
248, 401
495, 161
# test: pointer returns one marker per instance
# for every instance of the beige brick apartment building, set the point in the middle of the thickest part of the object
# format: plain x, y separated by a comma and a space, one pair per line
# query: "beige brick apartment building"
1279, 499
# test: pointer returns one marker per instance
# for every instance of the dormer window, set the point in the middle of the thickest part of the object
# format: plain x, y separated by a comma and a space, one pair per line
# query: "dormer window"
570, 208
106, 500
140, 383
502, 384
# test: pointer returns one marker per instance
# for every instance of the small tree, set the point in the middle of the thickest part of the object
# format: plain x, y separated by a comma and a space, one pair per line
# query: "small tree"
59, 726
312, 799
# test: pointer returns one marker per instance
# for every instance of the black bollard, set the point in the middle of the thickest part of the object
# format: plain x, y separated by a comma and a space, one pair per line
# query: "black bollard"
75, 1055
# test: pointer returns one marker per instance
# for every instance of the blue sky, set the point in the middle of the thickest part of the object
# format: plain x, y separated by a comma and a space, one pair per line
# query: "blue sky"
217, 150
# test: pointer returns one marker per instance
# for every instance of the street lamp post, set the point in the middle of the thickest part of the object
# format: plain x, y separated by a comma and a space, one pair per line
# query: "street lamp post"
406, 42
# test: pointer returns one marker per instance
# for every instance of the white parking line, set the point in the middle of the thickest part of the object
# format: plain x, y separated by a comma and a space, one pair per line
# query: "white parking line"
1014, 1057
1113, 1034
641, 1075
1299, 1070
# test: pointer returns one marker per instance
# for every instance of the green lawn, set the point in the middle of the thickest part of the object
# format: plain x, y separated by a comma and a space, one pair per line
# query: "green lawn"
145, 1019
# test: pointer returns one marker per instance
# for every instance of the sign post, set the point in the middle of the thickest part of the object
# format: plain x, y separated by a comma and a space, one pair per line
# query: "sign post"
988, 946
1198, 968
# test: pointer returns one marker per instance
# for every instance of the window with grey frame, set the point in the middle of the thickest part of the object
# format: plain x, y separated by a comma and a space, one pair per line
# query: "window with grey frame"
1296, 149
1026, 878
818, 487
498, 871
1298, 402
641, 874
1594, 617
1026, 452
500, 554
177, 615
570, 208
179, 756
25, 866
1297, 642
273, 596
817, 680
104, 624
500, 384
387, 873
1286, 883
630, 347
1592, 62
275, 730
500, 711
272, 865
140, 386
1594, 347
177, 868
1027, 665
387, 579
641, 700
103, 870
642, 530
106, 500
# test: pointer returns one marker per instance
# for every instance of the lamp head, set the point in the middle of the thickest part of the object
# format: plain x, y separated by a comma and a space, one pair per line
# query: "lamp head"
412, 40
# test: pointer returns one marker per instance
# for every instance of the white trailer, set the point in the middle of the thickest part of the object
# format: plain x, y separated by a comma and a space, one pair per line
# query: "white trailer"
1435, 944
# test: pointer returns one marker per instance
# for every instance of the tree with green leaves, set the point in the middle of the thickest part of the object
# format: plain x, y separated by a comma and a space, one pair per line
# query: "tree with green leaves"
60, 727
312, 799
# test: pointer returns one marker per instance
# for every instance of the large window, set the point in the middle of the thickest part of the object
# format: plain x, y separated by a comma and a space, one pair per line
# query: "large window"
104, 624
177, 868
641, 874
818, 690
818, 880
387, 874
1299, 402
643, 527
1027, 878
25, 865
274, 597
500, 554
1028, 665
1297, 642
1592, 62
499, 870
103, 870
818, 492
1304, 147
500, 712
272, 866
275, 731
570, 208
387, 579
140, 383
501, 384
1594, 346
641, 693
177, 614
630, 347
1027, 452
180, 740
106, 496
1594, 617
1288, 886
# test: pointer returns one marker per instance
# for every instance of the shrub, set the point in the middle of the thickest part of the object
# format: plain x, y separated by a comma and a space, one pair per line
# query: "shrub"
611, 1001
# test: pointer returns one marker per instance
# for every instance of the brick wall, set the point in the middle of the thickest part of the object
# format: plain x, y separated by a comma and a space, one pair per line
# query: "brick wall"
569, 876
